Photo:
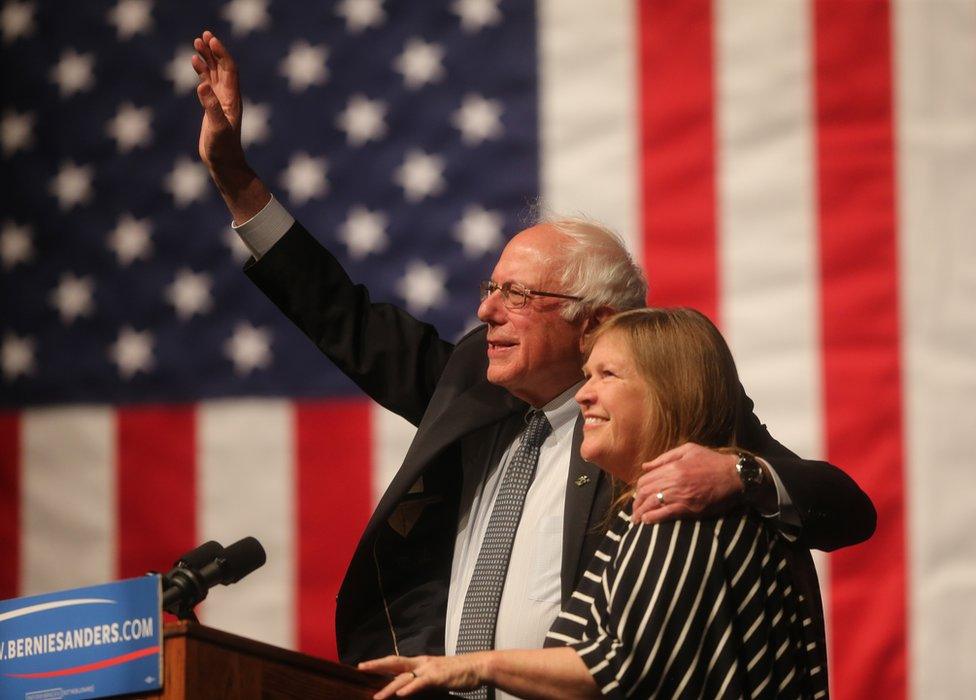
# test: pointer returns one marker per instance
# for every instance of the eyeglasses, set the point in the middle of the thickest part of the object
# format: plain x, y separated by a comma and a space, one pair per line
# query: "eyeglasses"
515, 296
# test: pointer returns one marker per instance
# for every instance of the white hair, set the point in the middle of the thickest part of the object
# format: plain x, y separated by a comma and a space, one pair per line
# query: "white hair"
596, 267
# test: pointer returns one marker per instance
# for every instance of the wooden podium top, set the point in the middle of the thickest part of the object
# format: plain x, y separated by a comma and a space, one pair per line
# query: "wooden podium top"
201, 662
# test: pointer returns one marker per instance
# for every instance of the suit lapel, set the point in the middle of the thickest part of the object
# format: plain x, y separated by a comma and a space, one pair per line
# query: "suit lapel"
475, 408
584, 482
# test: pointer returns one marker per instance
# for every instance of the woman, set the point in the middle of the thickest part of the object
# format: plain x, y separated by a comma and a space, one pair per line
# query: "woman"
697, 608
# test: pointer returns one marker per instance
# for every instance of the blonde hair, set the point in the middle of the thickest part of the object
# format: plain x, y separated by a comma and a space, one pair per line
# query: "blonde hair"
695, 395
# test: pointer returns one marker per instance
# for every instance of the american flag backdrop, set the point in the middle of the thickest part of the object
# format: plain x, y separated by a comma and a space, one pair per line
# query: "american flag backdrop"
803, 171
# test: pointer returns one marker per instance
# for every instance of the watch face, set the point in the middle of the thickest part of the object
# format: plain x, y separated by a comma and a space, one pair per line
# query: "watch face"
749, 470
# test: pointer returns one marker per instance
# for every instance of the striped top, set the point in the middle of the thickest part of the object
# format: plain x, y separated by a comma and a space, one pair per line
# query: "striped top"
702, 608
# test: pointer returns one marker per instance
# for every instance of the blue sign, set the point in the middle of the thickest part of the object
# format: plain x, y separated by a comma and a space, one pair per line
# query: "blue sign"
85, 643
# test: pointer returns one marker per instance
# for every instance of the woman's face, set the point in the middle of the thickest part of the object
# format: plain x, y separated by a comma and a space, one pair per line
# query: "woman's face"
616, 406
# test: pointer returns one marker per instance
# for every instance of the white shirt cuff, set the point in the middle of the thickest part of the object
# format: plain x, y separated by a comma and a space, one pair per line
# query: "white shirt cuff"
265, 228
786, 514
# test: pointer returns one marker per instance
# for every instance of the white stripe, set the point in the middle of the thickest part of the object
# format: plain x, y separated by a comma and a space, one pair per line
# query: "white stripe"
246, 487
748, 559
68, 498
595, 614
561, 637
575, 618
392, 436
718, 647
728, 679
785, 645
588, 112
760, 618
762, 685
755, 659
733, 543
583, 597
935, 60
767, 214
748, 597
53, 605
786, 681
594, 645
768, 218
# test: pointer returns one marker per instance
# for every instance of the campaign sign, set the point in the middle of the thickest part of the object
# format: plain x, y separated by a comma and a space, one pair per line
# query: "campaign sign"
85, 643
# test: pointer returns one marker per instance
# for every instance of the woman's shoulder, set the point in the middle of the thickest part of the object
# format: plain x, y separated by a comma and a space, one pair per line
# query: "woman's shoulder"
726, 530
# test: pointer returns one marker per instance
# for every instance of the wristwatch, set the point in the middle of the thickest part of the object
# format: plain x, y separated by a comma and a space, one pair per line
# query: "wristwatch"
750, 472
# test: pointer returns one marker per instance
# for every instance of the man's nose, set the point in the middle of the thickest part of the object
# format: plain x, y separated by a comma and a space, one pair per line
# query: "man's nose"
492, 310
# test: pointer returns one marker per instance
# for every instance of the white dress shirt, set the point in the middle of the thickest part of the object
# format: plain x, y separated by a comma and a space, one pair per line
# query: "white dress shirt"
531, 597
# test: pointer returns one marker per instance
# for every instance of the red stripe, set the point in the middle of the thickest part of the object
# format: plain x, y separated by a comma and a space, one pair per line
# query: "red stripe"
9, 505
862, 371
678, 153
334, 455
105, 663
156, 487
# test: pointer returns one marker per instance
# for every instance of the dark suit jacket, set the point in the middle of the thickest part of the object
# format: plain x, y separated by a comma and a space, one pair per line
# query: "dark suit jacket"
394, 595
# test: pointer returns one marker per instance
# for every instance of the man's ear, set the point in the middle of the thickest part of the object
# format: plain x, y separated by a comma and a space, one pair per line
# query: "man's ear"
593, 321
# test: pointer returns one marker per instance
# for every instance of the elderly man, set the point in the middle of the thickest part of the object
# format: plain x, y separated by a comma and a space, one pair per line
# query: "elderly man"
493, 515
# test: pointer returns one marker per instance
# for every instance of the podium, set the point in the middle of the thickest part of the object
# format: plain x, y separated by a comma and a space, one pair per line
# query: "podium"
204, 663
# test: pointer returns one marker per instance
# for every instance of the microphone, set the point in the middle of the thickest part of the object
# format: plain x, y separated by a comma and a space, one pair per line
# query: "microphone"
198, 557
236, 562
188, 583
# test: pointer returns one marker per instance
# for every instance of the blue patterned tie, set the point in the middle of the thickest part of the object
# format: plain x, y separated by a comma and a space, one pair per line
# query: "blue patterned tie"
480, 611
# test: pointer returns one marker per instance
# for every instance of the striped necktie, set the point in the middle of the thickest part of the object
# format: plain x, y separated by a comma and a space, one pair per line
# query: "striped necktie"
480, 611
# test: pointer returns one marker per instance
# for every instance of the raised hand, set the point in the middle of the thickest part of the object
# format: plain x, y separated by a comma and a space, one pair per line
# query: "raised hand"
220, 95
220, 145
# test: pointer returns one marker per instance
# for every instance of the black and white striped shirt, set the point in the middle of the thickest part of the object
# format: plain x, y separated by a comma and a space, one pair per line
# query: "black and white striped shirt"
693, 609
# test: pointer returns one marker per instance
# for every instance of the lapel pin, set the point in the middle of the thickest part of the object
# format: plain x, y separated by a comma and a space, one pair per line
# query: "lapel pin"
582, 480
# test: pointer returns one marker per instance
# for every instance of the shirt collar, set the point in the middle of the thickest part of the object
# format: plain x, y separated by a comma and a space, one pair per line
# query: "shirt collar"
563, 408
